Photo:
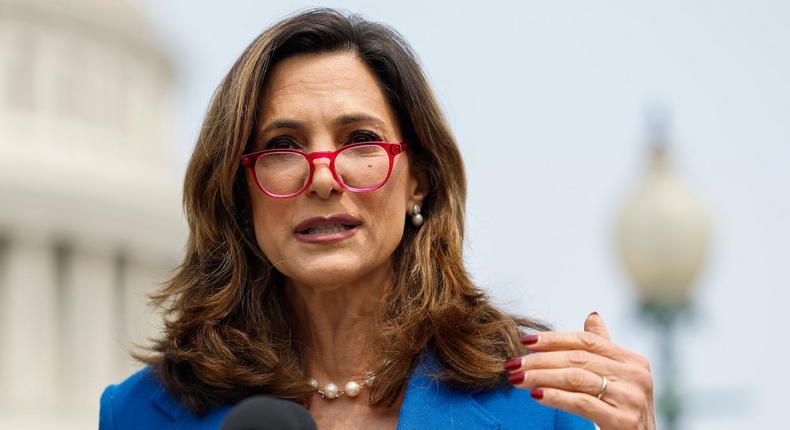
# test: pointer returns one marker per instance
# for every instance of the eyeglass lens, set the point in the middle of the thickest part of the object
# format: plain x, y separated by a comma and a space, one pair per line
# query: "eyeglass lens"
286, 173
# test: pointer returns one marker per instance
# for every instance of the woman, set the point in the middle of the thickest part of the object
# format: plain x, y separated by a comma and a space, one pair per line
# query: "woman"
325, 199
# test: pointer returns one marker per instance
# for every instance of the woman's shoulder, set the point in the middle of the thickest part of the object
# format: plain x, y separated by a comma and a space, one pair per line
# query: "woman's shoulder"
141, 401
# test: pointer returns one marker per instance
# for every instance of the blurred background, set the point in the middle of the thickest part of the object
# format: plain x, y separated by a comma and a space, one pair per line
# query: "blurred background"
630, 158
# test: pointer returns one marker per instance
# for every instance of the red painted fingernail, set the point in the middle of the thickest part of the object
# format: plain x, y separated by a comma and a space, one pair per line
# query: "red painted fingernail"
513, 364
536, 393
516, 378
594, 313
530, 339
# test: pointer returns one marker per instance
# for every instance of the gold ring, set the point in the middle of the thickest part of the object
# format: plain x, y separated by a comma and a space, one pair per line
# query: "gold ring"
604, 384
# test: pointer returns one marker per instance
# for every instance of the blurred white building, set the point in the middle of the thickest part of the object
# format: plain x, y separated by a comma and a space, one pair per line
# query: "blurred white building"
90, 218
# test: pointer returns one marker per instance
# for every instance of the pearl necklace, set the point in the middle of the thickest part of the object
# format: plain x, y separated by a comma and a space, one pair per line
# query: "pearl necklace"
351, 388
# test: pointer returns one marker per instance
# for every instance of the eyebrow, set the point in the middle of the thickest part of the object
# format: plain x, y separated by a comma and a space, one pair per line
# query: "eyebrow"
358, 117
341, 120
282, 123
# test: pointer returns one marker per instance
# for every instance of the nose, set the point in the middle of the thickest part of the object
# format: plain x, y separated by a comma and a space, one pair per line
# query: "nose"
324, 183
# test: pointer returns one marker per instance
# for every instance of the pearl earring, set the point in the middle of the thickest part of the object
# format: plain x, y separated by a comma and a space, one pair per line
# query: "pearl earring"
416, 218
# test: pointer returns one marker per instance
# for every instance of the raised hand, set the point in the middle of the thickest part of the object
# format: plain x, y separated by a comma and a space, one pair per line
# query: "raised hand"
586, 374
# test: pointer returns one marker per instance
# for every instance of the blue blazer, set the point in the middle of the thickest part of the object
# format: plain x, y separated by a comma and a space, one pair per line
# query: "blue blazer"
141, 402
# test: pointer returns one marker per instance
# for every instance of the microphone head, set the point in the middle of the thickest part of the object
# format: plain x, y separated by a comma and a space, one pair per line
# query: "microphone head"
268, 413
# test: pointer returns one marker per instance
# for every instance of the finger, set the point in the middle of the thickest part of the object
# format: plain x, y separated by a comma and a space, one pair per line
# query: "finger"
598, 364
594, 324
568, 379
583, 340
597, 411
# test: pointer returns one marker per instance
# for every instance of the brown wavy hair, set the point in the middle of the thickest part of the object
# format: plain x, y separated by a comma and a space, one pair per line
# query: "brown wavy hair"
228, 330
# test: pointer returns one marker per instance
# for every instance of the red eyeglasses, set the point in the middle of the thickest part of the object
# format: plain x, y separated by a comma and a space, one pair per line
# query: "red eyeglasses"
358, 167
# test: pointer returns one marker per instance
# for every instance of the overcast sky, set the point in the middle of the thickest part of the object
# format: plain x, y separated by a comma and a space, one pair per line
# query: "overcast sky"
548, 101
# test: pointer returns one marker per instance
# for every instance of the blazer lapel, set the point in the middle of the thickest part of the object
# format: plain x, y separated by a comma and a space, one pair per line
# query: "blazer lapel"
166, 404
431, 404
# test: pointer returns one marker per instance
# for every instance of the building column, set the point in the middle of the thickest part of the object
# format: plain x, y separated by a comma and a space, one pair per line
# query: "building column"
28, 322
91, 318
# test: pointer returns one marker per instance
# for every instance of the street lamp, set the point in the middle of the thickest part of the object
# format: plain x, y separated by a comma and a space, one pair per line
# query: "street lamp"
662, 236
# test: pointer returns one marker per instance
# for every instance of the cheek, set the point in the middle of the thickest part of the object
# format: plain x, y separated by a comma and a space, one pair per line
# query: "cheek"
389, 222
270, 229
389, 214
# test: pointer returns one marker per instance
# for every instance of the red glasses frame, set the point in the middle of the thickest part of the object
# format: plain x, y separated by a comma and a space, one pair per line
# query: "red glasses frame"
393, 149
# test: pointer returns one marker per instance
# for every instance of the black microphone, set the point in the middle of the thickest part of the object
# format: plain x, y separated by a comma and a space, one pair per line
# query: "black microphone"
268, 413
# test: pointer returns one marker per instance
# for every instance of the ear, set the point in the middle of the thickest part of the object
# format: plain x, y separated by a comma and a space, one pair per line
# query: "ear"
418, 188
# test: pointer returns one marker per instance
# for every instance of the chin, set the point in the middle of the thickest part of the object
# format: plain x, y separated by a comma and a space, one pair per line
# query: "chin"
325, 271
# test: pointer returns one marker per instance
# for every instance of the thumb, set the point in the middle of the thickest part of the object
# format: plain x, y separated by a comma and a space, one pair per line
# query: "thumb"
594, 324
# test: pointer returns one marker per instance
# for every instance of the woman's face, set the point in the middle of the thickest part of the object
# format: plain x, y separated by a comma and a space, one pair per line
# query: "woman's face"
320, 102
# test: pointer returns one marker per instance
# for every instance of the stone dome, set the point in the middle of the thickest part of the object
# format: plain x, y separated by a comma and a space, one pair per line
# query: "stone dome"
85, 114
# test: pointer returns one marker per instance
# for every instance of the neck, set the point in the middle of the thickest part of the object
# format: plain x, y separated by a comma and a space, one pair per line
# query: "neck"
337, 324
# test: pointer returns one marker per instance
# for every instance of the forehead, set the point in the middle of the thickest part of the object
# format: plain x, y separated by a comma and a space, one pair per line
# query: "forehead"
323, 86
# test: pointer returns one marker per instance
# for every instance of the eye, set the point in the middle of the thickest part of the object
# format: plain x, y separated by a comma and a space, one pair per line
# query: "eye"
361, 136
282, 142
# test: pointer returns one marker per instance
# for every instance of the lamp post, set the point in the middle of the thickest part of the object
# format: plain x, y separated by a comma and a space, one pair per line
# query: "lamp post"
662, 236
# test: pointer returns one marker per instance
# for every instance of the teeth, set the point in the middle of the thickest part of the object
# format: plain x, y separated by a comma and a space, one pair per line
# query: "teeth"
327, 229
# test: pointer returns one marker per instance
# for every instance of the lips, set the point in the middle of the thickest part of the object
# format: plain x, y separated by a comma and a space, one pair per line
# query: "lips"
327, 225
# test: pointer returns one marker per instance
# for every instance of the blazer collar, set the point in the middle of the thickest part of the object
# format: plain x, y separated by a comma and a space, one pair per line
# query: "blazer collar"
182, 418
431, 404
